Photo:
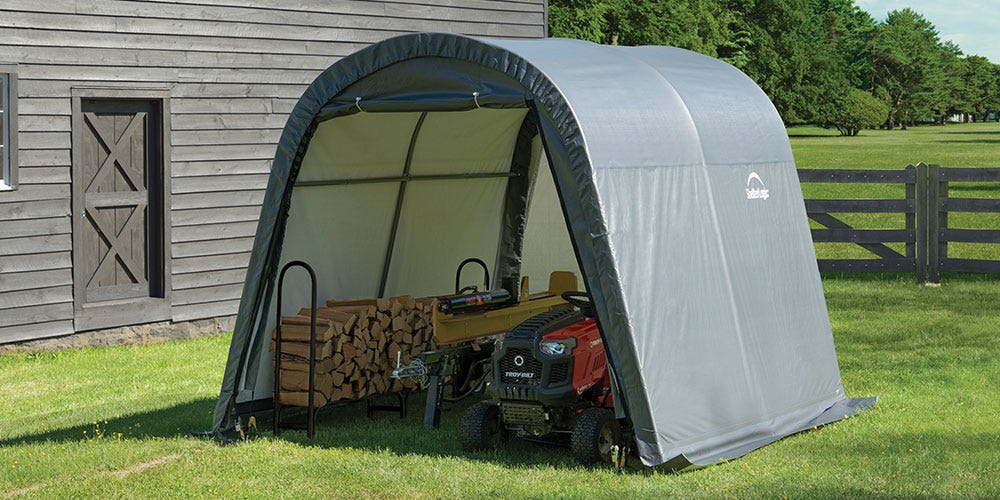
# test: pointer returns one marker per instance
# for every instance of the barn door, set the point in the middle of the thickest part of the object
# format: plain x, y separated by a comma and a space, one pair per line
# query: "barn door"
118, 232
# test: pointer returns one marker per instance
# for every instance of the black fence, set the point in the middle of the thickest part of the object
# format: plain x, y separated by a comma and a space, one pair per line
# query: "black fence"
925, 206
939, 181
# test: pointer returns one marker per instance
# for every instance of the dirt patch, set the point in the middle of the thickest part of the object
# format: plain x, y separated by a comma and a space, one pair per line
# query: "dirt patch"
150, 333
119, 473
24, 491
128, 471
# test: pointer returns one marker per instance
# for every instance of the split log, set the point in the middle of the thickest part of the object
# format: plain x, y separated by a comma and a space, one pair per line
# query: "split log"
301, 349
399, 324
342, 321
396, 309
293, 332
351, 303
384, 320
301, 399
293, 363
299, 381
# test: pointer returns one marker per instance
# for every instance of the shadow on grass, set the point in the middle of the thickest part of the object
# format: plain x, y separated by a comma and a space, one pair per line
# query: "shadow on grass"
908, 278
971, 132
174, 421
338, 426
814, 136
968, 141
903, 277
347, 426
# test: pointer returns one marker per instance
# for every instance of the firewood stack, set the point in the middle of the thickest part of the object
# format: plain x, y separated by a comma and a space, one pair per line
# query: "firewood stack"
357, 342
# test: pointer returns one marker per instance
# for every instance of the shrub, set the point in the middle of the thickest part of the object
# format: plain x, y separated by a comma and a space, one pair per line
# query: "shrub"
854, 110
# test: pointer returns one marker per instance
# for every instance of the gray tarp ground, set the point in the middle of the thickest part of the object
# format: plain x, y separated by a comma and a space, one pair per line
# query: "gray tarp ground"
675, 183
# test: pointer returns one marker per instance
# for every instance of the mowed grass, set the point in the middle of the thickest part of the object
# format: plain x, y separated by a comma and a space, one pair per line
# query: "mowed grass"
116, 422
955, 145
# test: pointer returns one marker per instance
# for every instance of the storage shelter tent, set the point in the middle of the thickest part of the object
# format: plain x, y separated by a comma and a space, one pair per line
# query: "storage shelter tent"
676, 182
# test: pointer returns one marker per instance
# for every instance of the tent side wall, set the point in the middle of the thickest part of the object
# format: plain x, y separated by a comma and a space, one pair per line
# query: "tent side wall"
757, 277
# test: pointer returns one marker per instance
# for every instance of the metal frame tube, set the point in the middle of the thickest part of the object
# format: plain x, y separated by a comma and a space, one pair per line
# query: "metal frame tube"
399, 203
311, 410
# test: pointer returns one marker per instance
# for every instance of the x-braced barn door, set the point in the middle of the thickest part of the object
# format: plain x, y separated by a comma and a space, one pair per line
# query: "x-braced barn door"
119, 242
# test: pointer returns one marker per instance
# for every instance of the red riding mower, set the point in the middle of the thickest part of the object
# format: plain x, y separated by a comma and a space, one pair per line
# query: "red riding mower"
549, 381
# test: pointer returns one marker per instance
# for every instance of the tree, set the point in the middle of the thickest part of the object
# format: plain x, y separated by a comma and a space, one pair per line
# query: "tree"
955, 87
581, 19
807, 55
982, 86
851, 32
907, 64
777, 55
853, 111
699, 25
829, 77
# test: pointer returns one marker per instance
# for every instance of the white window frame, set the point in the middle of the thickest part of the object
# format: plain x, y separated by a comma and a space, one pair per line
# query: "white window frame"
8, 115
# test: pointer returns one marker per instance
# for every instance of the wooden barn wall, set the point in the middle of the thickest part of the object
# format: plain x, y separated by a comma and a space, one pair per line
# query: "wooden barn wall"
234, 69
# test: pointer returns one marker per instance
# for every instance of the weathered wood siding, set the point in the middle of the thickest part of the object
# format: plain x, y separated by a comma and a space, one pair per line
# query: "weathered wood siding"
234, 69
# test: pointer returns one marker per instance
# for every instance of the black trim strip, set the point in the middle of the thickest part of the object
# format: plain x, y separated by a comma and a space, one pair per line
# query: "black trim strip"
404, 178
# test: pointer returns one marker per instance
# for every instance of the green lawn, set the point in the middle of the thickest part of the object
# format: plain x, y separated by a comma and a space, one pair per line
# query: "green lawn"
116, 422
958, 145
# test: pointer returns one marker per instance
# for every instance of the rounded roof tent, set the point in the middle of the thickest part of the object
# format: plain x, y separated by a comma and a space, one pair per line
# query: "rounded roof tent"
674, 177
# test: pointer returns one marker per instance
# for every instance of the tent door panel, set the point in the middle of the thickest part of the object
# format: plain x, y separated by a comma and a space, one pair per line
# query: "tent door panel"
118, 215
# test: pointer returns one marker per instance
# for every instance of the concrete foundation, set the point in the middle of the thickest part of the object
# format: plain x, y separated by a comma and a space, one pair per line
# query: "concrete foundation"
150, 333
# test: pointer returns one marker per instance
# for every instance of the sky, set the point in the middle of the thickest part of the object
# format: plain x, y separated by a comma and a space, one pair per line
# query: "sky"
974, 25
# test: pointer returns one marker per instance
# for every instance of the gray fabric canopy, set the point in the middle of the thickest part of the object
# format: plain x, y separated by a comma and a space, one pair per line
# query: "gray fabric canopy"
670, 171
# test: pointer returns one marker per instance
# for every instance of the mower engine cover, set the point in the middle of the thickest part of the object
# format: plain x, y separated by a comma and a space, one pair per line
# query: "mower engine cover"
550, 359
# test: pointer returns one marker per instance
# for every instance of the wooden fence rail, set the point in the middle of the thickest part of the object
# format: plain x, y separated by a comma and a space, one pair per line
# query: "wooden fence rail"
874, 240
939, 181
926, 234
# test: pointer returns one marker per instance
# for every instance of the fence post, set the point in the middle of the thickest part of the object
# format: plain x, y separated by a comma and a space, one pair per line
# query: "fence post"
936, 220
920, 213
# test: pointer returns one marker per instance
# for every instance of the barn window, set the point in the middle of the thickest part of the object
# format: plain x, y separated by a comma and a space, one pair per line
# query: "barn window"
8, 128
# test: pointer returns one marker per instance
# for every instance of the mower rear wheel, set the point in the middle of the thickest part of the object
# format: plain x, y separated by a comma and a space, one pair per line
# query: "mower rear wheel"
594, 433
481, 428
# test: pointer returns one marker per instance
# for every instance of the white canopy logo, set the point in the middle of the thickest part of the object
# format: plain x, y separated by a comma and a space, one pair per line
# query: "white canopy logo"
758, 192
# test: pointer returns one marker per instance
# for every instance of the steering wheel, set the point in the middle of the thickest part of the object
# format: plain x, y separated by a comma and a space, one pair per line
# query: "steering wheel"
580, 300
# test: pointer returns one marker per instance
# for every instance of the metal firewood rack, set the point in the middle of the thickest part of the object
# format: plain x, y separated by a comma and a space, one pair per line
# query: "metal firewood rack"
310, 423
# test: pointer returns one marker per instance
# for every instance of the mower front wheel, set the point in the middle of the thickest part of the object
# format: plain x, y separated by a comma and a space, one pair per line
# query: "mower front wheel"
594, 433
481, 428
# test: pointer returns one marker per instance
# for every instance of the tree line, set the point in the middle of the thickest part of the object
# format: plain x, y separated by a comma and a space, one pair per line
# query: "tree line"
825, 62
